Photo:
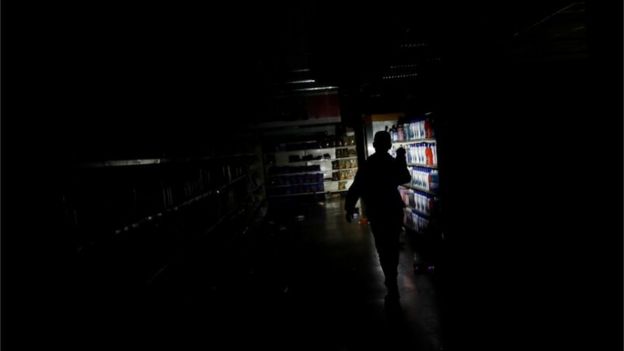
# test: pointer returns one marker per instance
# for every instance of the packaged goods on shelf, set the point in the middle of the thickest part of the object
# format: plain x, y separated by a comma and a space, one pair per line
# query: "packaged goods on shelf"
414, 221
425, 178
344, 174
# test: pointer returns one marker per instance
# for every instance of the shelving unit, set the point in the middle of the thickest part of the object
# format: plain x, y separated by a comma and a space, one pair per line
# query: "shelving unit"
331, 156
414, 141
294, 173
132, 209
422, 165
333, 148
413, 130
346, 158
429, 192
343, 169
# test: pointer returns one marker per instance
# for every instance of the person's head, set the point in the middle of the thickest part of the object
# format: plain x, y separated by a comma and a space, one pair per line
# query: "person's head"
382, 142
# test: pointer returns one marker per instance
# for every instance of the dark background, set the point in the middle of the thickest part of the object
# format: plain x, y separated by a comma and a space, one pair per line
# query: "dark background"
534, 256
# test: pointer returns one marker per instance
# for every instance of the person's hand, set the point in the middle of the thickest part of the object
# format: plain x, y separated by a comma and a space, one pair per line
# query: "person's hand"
400, 152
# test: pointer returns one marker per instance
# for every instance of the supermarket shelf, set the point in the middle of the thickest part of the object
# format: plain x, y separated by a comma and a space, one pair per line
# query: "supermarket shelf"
343, 169
315, 161
422, 165
125, 163
415, 141
419, 189
177, 207
298, 194
346, 158
300, 150
289, 185
296, 173
418, 212
314, 149
157, 161
304, 194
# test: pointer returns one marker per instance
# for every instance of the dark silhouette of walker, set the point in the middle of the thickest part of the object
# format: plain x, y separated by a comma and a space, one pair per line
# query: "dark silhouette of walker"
376, 182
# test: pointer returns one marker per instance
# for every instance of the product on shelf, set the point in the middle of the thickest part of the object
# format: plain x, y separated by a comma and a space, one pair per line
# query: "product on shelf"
285, 176
425, 178
346, 152
344, 164
428, 154
400, 133
421, 202
419, 129
344, 174
414, 221
419, 153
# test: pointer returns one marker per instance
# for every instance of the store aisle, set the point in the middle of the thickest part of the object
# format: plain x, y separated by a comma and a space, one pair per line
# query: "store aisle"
311, 281
338, 288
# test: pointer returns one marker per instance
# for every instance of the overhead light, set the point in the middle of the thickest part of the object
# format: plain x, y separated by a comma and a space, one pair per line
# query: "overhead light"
301, 70
303, 81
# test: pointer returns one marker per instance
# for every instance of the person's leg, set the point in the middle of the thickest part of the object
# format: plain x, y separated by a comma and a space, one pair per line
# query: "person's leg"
387, 243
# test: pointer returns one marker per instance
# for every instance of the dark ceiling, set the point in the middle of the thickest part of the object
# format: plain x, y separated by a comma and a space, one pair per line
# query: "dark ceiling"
241, 49
153, 69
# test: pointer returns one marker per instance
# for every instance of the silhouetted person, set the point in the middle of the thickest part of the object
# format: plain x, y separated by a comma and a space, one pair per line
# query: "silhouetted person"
376, 182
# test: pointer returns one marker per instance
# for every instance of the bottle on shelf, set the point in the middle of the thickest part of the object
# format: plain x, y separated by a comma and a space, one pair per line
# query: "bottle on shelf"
417, 129
393, 133
400, 133
407, 130
429, 154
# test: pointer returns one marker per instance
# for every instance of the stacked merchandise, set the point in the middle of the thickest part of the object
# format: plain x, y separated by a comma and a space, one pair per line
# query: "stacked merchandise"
419, 129
421, 153
344, 164
335, 156
296, 180
426, 179
346, 152
418, 209
424, 153
414, 221
347, 174
415, 200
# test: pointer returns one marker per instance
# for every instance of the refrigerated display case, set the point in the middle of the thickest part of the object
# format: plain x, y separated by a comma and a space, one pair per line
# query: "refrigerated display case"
416, 135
